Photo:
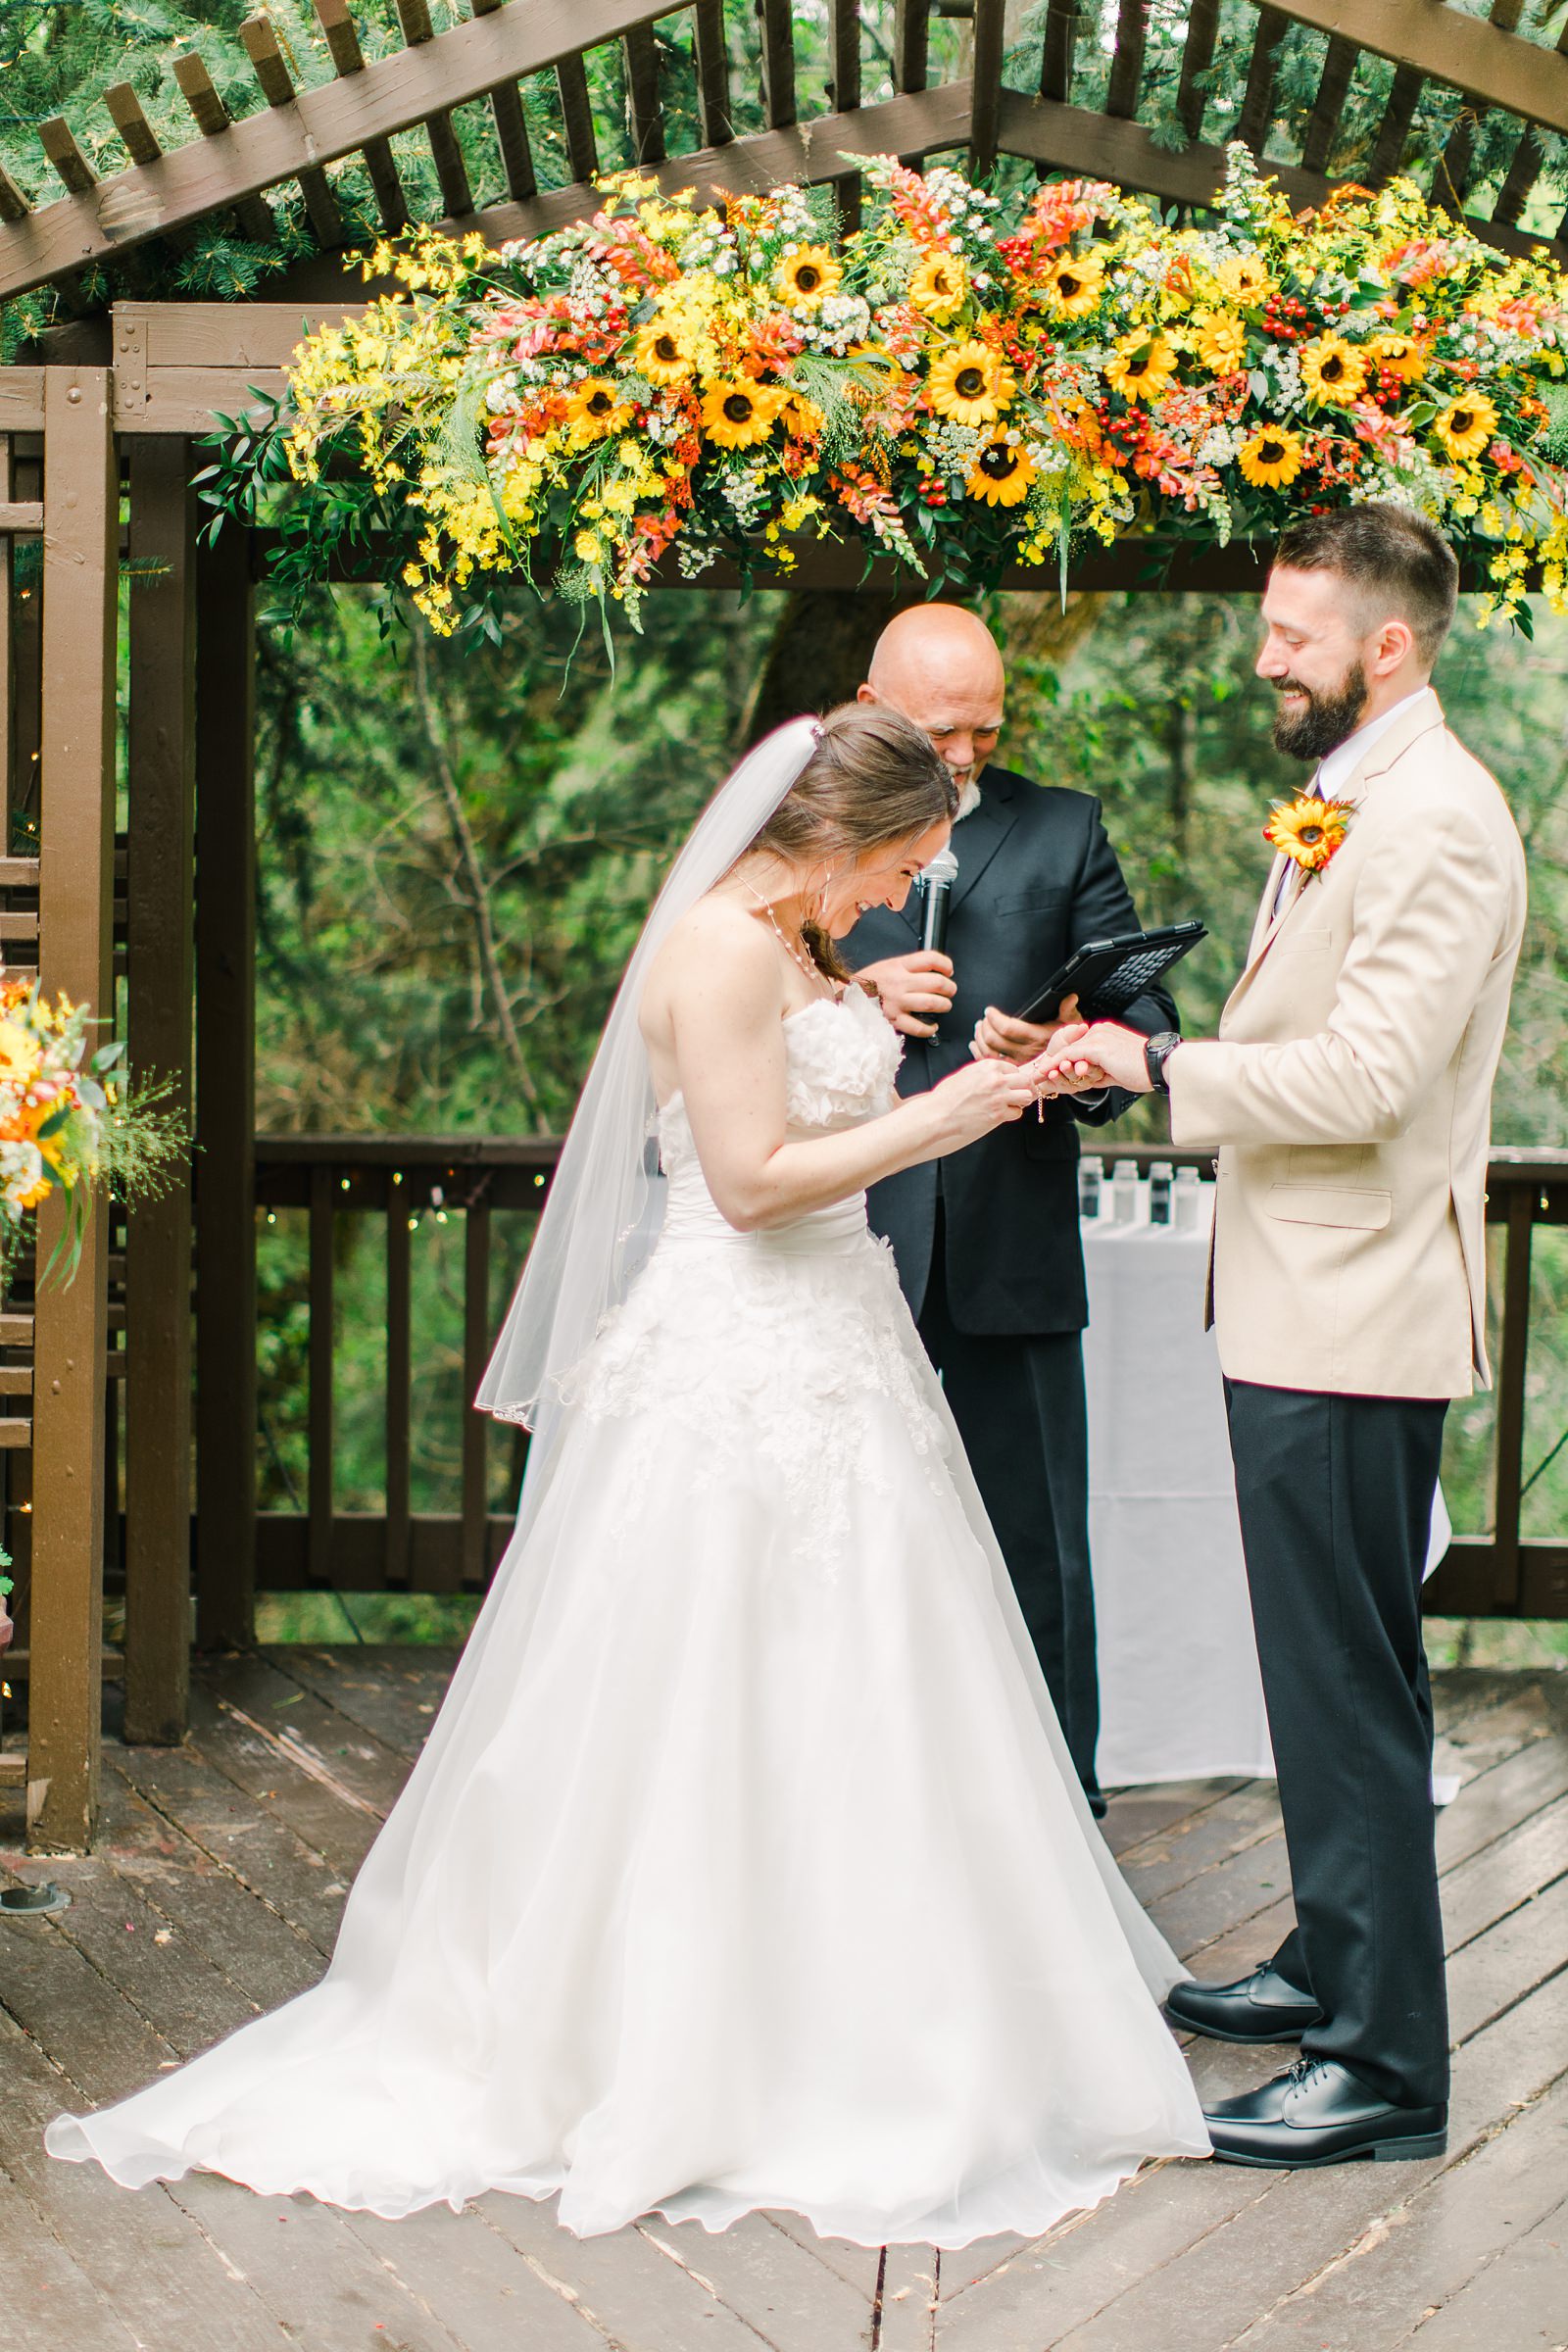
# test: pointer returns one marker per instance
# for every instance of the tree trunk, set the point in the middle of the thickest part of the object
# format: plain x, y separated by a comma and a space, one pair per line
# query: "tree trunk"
820, 653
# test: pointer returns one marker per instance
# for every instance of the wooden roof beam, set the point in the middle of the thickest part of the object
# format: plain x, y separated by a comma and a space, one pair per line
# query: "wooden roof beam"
1070, 138
640, 56
1257, 100
450, 168
1404, 96
511, 128
363, 106
1127, 59
989, 40
1451, 179
56, 139
576, 116
1055, 55
1198, 56
778, 61
1444, 44
13, 205
846, 49
376, 152
213, 120
276, 85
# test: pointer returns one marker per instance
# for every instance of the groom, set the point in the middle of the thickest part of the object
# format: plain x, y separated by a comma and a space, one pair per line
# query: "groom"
1350, 1088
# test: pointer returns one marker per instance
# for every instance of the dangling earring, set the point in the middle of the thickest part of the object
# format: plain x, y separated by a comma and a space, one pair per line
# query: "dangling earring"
819, 915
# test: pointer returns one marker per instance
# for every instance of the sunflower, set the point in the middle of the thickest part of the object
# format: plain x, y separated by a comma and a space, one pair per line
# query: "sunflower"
1142, 367
1397, 352
801, 418
1219, 340
1244, 279
662, 354
1467, 426
1002, 474
1271, 458
805, 277
593, 408
1308, 829
1333, 369
939, 285
739, 413
971, 383
1076, 282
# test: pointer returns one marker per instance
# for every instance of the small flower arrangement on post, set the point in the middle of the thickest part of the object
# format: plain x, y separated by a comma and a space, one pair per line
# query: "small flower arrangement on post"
69, 1120
953, 385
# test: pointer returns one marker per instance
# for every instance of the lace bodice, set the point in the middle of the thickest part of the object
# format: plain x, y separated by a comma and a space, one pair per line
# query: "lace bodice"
782, 1346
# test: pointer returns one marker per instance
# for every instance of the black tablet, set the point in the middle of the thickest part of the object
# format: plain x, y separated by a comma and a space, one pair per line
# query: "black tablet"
1106, 975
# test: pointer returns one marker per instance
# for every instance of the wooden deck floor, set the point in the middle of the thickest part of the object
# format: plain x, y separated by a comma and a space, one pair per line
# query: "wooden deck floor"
217, 1891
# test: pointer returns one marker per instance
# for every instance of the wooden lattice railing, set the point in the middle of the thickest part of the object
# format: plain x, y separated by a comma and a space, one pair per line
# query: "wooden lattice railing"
1493, 1573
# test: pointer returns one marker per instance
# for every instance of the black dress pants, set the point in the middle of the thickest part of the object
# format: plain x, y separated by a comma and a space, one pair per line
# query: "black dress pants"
1335, 1507
1019, 1405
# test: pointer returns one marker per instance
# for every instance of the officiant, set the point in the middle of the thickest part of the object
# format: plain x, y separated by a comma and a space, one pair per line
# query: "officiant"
987, 1243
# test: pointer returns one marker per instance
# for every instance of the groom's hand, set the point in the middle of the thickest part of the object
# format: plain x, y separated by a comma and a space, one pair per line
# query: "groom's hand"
915, 990
1002, 1035
1105, 1055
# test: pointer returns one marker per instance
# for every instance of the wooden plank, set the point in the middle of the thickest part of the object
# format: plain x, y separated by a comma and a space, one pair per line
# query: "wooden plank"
8, 654
908, 2298
447, 156
141, 141
1077, 139
1127, 59
375, 152
1520, 2298
13, 205
214, 121
277, 1783
20, 402
713, 65
911, 19
778, 62
512, 129
1513, 1354
161, 1009
361, 1774
1257, 100
1333, 87
359, 1550
577, 127
49, 2301
322, 1322
1451, 173
225, 1093
1057, 53
20, 518
76, 877
390, 1690
638, 2293
1404, 96
59, 144
277, 85
990, 28
399, 1385
1446, 45
640, 58
486, 2293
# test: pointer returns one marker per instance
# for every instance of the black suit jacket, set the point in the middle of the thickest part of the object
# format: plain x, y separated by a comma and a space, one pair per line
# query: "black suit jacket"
1037, 877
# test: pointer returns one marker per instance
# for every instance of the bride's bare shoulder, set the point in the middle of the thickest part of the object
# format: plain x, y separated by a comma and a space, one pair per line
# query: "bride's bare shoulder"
715, 943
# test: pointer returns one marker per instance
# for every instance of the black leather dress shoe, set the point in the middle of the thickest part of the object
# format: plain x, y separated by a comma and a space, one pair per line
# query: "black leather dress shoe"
1261, 2007
1320, 2113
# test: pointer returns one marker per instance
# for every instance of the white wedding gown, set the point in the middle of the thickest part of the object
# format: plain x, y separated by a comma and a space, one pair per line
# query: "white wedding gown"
743, 1866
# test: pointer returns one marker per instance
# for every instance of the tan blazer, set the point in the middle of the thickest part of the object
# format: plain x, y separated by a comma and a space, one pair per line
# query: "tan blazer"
1351, 1087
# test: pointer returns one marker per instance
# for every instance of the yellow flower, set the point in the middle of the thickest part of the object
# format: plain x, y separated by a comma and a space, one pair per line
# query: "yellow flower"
1466, 425
593, 410
1332, 369
662, 354
803, 419
19, 1054
1244, 279
1219, 340
1076, 282
805, 277
738, 413
971, 383
1308, 829
1001, 475
589, 546
1397, 352
939, 285
1142, 367
1271, 458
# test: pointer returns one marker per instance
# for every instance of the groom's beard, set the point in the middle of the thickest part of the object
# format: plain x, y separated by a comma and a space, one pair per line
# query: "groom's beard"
1328, 719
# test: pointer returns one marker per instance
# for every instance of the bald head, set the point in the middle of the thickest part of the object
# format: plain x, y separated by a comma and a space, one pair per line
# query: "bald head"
939, 665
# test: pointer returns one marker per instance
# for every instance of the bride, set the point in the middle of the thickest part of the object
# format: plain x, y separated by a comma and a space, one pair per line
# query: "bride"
745, 1866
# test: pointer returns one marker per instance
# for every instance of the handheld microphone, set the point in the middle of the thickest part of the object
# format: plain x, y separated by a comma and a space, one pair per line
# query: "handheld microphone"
936, 886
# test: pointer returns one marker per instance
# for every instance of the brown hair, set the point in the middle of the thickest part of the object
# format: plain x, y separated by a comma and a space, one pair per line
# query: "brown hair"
1390, 554
874, 779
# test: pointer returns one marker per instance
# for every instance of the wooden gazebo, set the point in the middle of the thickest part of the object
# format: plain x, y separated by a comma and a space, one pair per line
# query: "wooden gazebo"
98, 426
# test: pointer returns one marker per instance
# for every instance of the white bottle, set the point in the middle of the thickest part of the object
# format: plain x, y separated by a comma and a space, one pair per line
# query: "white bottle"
1159, 1184
1187, 1200
1125, 1193
1090, 1185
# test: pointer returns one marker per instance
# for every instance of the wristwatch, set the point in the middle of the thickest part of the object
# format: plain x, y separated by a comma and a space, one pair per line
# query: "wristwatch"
1156, 1053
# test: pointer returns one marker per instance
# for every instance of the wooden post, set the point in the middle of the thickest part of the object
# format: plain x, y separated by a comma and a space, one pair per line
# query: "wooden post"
82, 527
1512, 1354
321, 1291
477, 1343
161, 952
399, 1376
225, 1096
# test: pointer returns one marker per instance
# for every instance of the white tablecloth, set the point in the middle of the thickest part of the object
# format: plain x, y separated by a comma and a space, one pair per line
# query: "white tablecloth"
1180, 1693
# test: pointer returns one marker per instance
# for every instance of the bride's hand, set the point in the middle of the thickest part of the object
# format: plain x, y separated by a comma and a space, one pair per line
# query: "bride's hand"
973, 1100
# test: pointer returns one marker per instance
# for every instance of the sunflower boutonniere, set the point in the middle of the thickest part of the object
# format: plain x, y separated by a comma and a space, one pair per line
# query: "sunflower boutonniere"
1309, 830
